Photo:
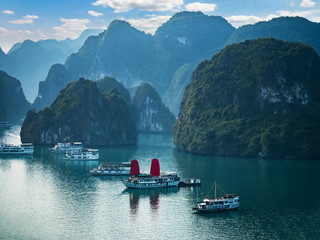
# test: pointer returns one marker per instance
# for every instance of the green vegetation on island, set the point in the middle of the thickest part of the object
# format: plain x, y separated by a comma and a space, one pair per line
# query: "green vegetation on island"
108, 83
257, 96
82, 113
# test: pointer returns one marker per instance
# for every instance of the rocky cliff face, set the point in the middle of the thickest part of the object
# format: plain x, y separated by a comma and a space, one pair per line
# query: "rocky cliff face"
188, 37
112, 54
13, 104
57, 79
82, 113
108, 83
257, 96
149, 111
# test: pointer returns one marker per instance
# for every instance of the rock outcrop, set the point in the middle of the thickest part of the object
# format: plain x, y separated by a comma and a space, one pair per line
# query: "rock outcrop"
82, 113
257, 96
57, 79
150, 114
108, 83
13, 104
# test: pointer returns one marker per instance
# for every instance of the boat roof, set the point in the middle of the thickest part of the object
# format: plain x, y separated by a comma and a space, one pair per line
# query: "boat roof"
221, 198
105, 164
169, 173
26, 144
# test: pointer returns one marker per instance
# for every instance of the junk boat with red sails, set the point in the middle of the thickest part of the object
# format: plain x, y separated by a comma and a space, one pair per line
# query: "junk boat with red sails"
153, 180
217, 204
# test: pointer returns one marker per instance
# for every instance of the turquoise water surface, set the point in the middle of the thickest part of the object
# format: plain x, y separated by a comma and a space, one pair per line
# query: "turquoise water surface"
45, 197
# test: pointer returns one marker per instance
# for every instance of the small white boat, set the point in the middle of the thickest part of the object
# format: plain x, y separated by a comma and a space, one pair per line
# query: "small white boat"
85, 154
218, 204
112, 169
152, 180
67, 147
22, 149
193, 182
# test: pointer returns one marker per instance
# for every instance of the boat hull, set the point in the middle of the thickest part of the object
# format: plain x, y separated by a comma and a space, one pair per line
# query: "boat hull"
81, 159
105, 173
16, 153
150, 185
215, 209
23, 149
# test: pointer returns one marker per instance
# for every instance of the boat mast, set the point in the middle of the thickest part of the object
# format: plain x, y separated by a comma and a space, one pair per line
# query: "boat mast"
215, 189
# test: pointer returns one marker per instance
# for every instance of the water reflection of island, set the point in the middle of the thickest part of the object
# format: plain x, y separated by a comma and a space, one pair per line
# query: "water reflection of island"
153, 194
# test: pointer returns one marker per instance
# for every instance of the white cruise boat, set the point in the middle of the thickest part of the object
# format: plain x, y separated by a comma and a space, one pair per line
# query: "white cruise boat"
84, 154
22, 149
152, 180
67, 147
218, 204
112, 169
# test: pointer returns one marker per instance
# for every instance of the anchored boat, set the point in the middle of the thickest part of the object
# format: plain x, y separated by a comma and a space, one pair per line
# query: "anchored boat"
152, 180
67, 147
218, 204
85, 154
192, 183
22, 149
112, 169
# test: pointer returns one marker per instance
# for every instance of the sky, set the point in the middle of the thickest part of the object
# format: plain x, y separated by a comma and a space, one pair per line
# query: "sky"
61, 19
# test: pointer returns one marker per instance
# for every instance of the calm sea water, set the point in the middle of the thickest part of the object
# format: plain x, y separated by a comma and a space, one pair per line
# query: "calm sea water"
45, 197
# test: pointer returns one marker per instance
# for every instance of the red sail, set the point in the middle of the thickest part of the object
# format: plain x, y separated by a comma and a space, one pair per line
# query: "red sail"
135, 170
155, 168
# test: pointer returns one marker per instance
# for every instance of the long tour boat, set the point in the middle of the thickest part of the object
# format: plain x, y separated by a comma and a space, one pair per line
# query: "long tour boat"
218, 204
67, 147
152, 180
112, 169
85, 154
22, 149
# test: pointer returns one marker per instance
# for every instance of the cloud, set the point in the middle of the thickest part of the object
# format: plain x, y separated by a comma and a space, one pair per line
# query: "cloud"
148, 25
142, 5
26, 19
239, 20
21, 21
3, 30
315, 19
70, 28
307, 3
9, 12
203, 7
94, 13
305, 14
30, 17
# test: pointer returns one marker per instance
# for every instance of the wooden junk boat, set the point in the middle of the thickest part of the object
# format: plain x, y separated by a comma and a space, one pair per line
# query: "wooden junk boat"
153, 180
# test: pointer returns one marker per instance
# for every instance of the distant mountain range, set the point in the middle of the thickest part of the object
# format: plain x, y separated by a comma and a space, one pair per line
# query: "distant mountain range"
132, 57
291, 29
30, 61
167, 59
